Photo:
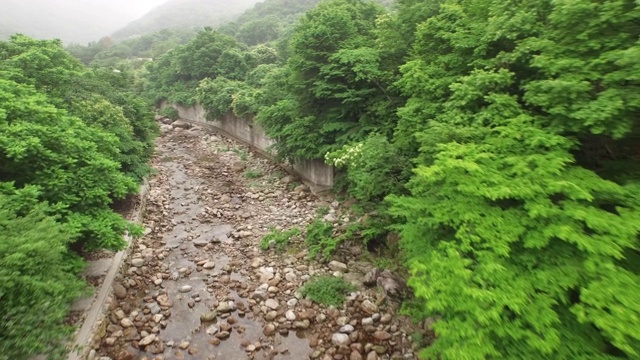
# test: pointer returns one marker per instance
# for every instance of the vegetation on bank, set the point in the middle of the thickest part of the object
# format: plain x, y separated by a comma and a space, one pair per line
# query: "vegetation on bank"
497, 138
72, 141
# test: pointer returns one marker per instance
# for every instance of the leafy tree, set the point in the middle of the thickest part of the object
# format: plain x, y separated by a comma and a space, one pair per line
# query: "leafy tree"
72, 163
526, 253
335, 89
37, 276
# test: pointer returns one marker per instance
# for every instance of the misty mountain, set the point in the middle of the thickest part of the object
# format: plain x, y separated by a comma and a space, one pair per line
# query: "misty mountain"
73, 21
185, 14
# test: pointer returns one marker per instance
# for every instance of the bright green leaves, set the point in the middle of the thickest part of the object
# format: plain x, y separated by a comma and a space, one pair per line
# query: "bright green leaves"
70, 162
522, 251
37, 276
587, 78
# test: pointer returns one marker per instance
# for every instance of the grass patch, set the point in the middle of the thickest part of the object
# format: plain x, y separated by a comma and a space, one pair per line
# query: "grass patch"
242, 154
322, 210
327, 290
281, 238
253, 174
319, 237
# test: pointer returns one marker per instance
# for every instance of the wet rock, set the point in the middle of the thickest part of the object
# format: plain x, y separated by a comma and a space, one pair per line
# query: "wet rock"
212, 330
209, 316
224, 307
223, 335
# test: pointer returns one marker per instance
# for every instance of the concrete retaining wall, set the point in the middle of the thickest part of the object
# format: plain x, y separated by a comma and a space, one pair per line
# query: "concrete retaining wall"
316, 172
89, 335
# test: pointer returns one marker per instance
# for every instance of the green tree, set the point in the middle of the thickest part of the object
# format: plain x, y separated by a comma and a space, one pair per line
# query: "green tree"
37, 276
525, 253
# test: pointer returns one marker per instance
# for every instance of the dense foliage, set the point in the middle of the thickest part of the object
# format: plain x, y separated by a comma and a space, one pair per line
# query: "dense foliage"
502, 134
72, 140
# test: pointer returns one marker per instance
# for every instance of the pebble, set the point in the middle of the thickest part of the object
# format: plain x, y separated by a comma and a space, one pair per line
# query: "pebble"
185, 288
369, 307
272, 304
339, 339
147, 340
338, 266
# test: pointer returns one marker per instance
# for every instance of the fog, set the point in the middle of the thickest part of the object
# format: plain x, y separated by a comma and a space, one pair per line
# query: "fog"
73, 21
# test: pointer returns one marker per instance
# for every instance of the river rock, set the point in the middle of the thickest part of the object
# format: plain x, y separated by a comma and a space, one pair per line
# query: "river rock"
147, 340
119, 291
381, 335
369, 307
338, 266
339, 339
272, 304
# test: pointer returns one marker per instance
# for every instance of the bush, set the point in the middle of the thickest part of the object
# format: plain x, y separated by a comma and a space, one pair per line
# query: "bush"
319, 236
280, 238
327, 290
169, 112
38, 277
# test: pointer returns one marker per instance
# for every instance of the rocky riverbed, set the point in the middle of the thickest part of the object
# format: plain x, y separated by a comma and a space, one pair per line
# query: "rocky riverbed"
198, 286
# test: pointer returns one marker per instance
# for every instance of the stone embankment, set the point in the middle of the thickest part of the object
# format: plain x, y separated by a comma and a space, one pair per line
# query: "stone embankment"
198, 286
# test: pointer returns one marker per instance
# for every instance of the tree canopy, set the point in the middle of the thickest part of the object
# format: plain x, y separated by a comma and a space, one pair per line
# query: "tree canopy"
498, 138
72, 141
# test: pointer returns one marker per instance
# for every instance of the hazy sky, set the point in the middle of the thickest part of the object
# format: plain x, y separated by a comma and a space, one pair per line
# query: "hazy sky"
72, 20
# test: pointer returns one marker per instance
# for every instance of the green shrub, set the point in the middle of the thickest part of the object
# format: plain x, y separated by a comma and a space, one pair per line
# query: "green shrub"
327, 290
169, 112
38, 277
253, 174
319, 237
280, 238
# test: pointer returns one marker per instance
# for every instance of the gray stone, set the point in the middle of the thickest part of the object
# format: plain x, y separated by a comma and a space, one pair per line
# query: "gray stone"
272, 304
137, 262
347, 329
338, 266
185, 289
339, 339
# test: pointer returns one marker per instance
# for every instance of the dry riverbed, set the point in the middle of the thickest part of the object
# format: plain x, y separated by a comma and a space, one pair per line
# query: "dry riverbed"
197, 286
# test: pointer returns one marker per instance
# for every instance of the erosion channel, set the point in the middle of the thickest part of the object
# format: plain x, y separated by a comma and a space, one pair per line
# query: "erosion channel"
198, 286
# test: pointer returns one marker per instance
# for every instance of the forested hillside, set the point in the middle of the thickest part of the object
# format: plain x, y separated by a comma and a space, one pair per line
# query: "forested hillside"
184, 14
72, 141
497, 138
